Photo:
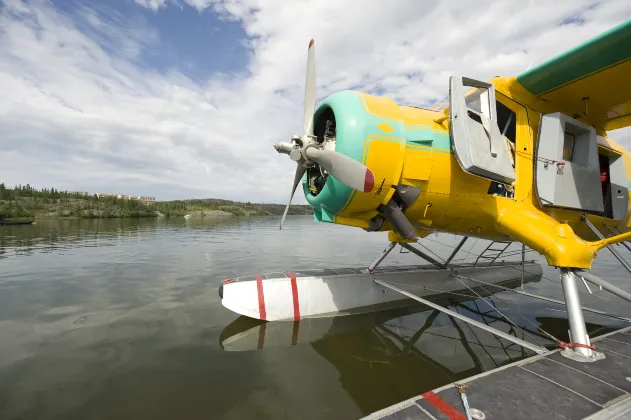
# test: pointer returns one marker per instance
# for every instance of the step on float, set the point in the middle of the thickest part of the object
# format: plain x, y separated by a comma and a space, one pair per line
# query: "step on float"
329, 292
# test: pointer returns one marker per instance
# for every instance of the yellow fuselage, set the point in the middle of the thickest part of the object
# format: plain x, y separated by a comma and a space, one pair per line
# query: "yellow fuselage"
454, 201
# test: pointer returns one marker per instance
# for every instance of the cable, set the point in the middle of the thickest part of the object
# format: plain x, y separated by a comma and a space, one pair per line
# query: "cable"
437, 256
506, 317
471, 297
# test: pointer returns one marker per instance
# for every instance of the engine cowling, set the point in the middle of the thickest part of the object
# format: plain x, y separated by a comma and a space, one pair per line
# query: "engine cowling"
366, 128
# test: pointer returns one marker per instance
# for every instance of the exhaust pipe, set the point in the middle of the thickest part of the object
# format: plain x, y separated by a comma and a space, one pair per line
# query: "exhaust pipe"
402, 225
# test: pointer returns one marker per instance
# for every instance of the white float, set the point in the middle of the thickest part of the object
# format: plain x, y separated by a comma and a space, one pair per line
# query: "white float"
329, 292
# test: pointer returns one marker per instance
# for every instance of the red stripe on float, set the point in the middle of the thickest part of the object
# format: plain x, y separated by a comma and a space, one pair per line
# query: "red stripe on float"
443, 406
310, 43
259, 289
294, 293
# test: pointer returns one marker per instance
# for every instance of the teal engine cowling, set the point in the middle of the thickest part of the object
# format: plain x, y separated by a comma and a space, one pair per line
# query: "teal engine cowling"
344, 122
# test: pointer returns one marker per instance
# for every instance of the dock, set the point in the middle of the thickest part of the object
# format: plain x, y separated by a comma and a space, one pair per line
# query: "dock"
545, 386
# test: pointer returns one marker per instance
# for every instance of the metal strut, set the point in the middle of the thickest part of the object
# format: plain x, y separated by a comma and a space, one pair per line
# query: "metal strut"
453, 254
605, 285
626, 245
418, 252
523, 256
610, 248
422, 255
578, 331
383, 255
518, 341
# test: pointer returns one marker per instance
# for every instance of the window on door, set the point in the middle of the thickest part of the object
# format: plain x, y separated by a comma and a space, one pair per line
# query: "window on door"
568, 146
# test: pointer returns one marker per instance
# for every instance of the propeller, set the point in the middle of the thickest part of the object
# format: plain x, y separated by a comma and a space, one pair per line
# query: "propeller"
306, 151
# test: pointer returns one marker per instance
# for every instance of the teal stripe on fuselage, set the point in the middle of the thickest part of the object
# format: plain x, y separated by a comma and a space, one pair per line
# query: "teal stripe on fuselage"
355, 129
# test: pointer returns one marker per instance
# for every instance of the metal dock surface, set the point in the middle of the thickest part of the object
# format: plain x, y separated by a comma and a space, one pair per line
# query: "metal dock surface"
546, 386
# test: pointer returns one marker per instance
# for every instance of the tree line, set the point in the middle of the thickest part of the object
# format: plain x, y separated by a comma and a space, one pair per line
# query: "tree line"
26, 201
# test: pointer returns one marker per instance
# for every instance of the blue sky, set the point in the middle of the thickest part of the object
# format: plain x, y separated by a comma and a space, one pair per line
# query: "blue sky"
197, 43
185, 98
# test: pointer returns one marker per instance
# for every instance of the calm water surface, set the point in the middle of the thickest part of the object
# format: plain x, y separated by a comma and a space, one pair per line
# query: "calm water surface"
120, 319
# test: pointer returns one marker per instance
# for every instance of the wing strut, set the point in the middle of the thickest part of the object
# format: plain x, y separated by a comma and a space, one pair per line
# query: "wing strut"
610, 241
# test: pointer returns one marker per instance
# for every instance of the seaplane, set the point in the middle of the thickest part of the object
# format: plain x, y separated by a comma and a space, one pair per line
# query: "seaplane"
524, 159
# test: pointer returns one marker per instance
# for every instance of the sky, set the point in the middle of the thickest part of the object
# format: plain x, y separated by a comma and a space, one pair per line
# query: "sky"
182, 99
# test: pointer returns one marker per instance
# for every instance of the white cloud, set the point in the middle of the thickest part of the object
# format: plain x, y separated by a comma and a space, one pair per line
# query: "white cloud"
622, 136
80, 110
152, 4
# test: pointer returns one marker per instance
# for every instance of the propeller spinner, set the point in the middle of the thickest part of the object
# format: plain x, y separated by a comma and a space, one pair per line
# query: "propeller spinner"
306, 151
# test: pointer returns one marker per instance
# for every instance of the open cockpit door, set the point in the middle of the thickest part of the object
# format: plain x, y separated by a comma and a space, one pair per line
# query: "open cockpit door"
478, 143
567, 166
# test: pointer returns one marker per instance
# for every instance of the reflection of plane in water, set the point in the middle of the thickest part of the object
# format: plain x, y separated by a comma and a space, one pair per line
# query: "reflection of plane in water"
382, 356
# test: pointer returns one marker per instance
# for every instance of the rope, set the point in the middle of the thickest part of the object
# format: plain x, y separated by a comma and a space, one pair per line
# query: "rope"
557, 162
563, 345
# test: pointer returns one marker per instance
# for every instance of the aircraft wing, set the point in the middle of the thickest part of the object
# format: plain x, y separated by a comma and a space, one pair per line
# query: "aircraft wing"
591, 82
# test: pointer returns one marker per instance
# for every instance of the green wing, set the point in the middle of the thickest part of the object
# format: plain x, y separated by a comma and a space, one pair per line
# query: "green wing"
591, 81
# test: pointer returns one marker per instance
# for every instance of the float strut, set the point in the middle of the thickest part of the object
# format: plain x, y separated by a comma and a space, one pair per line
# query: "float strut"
506, 336
422, 255
532, 295
626, 245
523, 267
383, 255
453, 254
610, 248
605, 285
578, 331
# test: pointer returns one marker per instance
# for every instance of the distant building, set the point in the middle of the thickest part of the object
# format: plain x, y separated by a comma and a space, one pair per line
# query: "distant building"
106, 195
142, 199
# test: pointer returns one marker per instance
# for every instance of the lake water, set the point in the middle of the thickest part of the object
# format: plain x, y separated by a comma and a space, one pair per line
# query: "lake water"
121, 319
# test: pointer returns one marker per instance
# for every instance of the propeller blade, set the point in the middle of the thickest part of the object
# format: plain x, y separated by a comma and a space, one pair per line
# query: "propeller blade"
300, 171
346, 170
310, 90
